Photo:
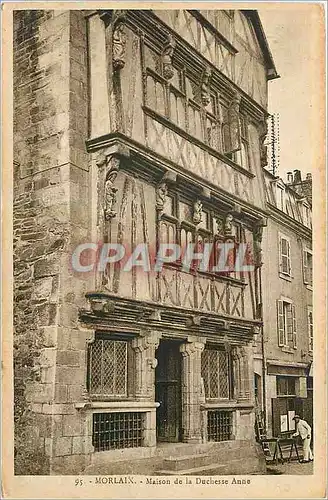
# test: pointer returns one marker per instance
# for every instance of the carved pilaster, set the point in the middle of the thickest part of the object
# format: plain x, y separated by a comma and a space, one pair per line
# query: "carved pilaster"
236, 373
191, 390
90, 336
245, 372
241, 369
145, 363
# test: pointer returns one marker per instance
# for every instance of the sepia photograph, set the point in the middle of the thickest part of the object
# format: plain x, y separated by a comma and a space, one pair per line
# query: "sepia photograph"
164, 328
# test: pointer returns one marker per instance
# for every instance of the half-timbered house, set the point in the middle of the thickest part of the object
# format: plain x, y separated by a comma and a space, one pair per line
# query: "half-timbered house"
157, 121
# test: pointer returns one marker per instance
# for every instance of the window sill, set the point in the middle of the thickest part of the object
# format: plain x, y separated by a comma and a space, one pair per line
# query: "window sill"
286, 396
286, 277
226, 405
289, 350
309, 287
117, 405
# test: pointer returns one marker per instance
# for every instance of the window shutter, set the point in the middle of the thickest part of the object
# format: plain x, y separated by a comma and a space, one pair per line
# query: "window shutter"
289, 270
290, 324
285, 266
280, 322
294, 327
305, 267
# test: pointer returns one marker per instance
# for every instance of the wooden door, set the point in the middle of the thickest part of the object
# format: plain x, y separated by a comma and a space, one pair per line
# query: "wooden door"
168, 391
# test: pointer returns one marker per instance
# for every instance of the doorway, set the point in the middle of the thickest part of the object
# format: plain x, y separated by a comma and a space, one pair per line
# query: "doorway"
168, 391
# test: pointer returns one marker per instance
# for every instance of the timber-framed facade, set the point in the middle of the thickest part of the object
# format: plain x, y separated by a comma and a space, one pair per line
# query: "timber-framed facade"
169, 148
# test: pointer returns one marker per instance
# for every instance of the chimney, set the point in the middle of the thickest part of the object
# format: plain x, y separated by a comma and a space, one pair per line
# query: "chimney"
309, 177
297, 176
289, 177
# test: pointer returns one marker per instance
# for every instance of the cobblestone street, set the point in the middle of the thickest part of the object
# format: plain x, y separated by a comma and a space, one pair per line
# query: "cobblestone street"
293, 468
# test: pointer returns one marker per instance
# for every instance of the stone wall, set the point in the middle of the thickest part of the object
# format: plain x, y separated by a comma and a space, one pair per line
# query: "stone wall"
51, 190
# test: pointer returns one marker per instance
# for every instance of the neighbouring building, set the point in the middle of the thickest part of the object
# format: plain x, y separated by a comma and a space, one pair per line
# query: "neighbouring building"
284, 355
130, 127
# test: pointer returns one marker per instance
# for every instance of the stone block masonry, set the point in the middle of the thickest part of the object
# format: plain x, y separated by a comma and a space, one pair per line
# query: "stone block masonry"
50, 216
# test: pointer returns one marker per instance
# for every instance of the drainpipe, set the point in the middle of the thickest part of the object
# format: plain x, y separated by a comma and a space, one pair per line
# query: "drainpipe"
263, 353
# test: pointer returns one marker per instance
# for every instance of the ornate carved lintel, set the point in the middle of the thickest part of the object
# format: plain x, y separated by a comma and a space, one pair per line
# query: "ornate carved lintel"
168, 70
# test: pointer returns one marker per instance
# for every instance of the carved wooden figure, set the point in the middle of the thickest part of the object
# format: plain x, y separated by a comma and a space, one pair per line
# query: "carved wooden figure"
168, 70
197, 215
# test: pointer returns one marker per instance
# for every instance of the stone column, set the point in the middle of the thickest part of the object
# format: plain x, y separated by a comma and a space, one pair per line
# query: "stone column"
145, 363
191, 390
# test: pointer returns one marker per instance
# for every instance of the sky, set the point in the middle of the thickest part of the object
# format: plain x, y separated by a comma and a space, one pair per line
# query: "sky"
292, 35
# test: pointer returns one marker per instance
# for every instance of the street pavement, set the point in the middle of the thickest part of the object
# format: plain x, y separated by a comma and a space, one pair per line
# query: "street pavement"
292, 468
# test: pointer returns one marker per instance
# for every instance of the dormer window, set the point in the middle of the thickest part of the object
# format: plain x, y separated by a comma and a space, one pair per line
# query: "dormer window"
307, 215
280, 197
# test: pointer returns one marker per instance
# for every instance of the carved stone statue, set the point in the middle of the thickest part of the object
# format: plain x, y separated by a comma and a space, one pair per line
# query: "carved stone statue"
228, 227
197, 214
161, 193
168, 70
119, 46
110, 196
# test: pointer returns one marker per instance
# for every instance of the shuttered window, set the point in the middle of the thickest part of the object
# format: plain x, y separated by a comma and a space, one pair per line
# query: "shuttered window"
284, 256
286, 324
307, 267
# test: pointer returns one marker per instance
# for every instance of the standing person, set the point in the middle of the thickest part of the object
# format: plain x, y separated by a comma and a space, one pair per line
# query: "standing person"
304, 430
